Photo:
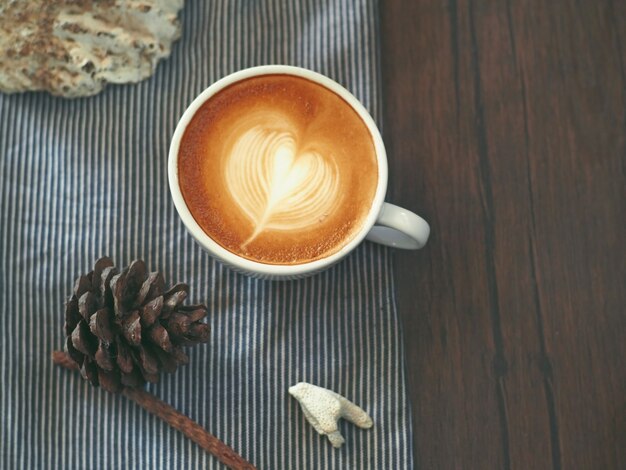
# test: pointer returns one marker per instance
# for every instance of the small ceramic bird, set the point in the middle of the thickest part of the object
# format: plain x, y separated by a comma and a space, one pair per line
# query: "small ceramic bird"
323, 408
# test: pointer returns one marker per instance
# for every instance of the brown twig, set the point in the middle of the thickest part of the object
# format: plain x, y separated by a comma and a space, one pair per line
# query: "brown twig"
177, 420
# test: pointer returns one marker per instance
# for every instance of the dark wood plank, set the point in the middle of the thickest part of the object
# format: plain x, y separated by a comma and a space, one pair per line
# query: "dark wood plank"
505, 124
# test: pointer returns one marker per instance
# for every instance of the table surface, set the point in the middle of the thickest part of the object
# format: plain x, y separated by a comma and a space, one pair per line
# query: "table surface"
505, 123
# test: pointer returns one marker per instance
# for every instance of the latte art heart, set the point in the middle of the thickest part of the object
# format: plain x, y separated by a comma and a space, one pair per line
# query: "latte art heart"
277, 188
278, 170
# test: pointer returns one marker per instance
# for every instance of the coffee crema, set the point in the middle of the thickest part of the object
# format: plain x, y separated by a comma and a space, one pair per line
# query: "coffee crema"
278, 169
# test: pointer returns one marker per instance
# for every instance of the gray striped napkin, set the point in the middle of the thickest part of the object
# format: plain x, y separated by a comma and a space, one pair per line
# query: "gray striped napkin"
86, 177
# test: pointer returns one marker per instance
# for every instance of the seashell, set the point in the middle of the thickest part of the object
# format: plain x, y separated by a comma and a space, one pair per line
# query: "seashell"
74, 48
323, 408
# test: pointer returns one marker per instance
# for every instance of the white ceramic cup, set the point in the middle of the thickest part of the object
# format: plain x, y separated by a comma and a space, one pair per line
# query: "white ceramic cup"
386, 223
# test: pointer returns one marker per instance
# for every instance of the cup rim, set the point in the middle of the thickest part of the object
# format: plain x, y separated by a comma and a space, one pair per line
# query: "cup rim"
239, 262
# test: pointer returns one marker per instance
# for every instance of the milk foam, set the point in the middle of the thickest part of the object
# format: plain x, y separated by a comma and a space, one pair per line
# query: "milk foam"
278, 187
278, 169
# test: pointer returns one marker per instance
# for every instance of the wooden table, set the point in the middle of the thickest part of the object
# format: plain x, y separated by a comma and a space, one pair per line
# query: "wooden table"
505, 122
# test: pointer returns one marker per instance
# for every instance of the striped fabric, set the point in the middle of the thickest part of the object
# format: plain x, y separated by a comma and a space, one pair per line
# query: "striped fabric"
87, 177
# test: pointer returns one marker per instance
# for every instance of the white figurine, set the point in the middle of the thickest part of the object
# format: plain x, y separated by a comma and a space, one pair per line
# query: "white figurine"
323, 408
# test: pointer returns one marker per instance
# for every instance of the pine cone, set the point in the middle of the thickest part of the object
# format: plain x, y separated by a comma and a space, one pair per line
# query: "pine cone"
123, 328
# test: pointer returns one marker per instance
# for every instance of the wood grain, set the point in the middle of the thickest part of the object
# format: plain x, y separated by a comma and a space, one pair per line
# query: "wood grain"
505, 123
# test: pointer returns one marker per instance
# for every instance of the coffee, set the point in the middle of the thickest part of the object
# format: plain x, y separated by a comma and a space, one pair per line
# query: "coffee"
278, 169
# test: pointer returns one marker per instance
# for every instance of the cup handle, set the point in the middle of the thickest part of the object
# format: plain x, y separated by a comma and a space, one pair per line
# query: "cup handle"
399, 228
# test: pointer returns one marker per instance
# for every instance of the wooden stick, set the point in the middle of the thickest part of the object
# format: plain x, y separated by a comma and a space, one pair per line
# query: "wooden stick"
177, 420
